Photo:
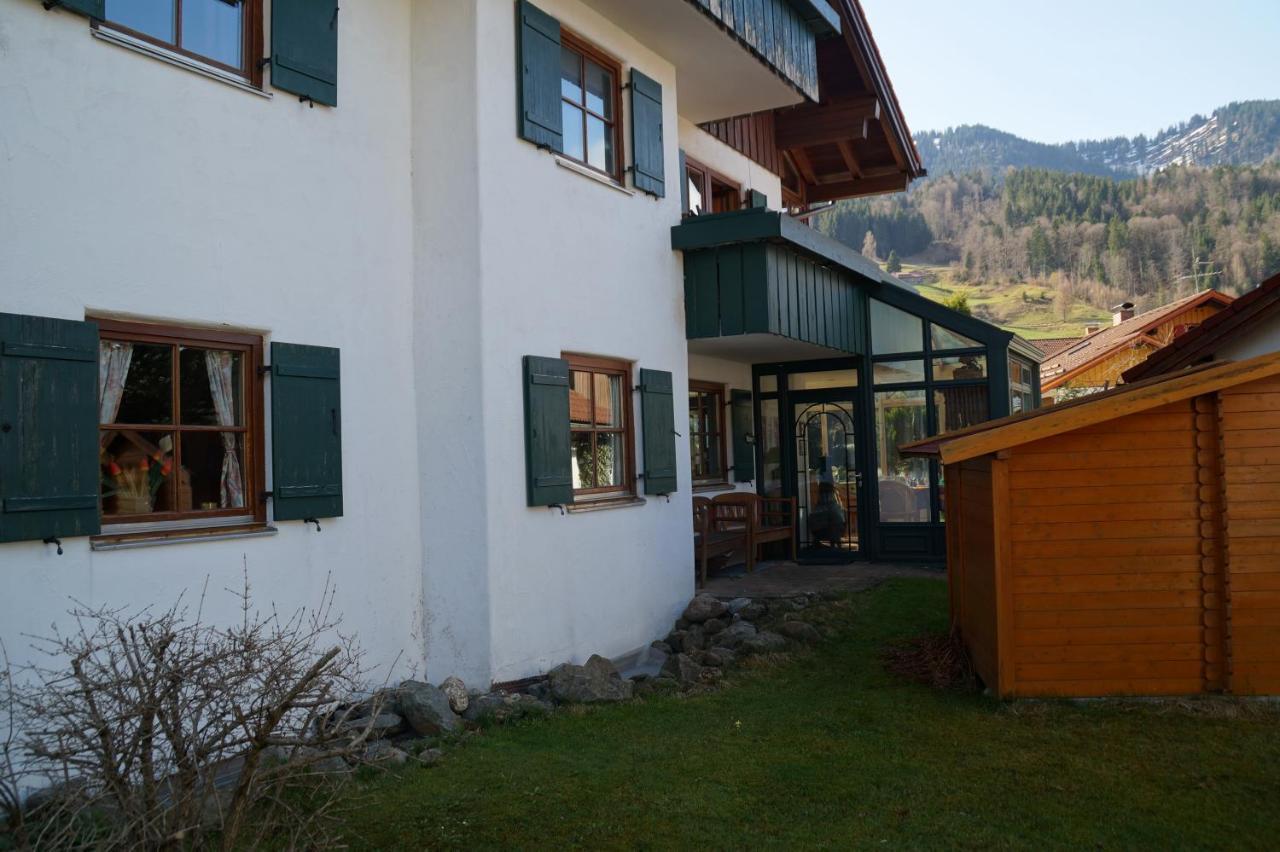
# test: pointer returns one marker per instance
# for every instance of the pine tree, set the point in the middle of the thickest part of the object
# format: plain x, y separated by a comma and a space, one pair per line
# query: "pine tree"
894, 264
869, 250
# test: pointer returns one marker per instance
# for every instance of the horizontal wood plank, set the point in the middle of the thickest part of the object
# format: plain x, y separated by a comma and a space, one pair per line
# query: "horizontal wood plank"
1131, 669
1092, 531
1048, 619
1147, 581
1148, 652
1098, 688
1065, 602
1127, 635
1142, 510
1103, 460
1164, 546
1151, 477
1109, 494
1065, 566
1181, 439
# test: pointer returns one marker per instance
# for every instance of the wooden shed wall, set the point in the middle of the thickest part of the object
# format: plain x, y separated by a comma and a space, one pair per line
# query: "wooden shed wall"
1250, 429
1106, 559
971, 551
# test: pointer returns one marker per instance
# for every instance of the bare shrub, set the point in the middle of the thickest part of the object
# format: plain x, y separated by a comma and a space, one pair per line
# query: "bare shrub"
939, 660
158, 729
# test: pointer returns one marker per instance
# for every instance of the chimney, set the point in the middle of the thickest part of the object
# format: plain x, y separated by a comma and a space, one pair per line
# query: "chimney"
1092, 328
1122, 312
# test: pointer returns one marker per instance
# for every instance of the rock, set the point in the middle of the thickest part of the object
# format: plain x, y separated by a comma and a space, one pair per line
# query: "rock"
682, 624
764, 643
662, 646
658, 686
800, 602
456, 691
594, 682
737, 605
540, 690
497, 706
800, 631
754, 611
735, 634
383, 752
695, 639
704, 607
831, 594
683, 669
712, 658
429, 756
727, 657
712, 626
377, 727
426, 709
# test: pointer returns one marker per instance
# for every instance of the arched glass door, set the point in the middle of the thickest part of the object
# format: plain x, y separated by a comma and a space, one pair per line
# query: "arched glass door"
827, 478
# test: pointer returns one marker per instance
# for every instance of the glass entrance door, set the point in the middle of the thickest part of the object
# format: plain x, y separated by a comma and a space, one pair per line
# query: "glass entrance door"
827, 479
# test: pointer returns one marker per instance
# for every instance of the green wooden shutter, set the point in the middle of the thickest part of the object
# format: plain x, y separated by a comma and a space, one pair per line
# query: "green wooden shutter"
304, 48
306, 432
93, 8
548, 469
742, 417
538, 70
646, 135
658, 421
684, 185
49, 474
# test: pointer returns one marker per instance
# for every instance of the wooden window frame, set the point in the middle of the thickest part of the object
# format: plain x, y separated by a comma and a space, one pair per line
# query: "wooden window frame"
253, 463
716, 391
608, 367
711, 177
585, 50
251, 41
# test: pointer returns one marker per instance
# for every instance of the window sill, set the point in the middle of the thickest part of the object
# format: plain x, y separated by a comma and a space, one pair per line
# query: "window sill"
137, 45
129, 541
711, 487
604, 180
605, 505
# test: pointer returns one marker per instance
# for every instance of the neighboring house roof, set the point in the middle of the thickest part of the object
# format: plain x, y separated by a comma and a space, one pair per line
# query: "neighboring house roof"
1008, 432
1051, 346
1199, 344
1089, 350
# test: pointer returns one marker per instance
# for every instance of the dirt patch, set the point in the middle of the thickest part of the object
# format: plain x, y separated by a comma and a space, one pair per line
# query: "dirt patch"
939, 661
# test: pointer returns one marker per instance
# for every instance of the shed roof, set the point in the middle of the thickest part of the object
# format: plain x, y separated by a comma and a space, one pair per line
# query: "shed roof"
1091, 349
1009, 432
1259, 305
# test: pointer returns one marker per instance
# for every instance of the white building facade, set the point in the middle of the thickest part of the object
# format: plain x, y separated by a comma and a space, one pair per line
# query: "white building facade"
388, 297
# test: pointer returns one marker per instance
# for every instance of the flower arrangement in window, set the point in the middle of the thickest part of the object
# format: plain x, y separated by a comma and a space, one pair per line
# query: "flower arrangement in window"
133, 478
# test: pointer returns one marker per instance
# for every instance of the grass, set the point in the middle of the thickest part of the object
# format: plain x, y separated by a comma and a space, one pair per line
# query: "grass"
828, 750
1027, 309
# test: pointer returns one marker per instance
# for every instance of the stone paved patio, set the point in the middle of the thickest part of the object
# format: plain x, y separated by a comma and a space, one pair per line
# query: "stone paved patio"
781, 579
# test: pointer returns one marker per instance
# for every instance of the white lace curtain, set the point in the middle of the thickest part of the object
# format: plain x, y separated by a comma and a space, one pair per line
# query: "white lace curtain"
221, 367
114, 358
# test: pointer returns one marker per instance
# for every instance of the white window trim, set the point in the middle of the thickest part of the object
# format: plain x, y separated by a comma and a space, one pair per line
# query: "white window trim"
105, 32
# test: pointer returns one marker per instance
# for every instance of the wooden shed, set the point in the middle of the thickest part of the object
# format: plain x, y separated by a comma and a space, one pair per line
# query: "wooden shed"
1127, 543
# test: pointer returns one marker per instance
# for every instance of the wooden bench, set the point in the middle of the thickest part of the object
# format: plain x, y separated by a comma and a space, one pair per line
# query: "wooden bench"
709, 540
763, 519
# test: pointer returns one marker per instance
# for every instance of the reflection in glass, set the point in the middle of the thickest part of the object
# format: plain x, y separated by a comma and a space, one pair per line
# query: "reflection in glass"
705, 436
150, 17
695, 192
571, 120
584, 465
768, 384
580, 399
608, 402
960, 407
958, 367
570, 75
599, 145
196, 393
826, 479
898, 372
945, 338
901, 417
893, 330
820, 380
136, 470
599, 90
608, 461
770, 440
148, 388
212, 28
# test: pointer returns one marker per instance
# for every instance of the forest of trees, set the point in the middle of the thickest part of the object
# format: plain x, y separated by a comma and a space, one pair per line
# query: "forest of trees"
1099, 239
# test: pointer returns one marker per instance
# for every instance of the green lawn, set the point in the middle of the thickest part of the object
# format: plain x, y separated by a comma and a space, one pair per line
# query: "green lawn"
829, 750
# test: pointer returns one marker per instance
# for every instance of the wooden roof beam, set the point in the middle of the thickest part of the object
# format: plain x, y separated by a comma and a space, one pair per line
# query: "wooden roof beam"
800, 161
857, 188
850, 159
822, 124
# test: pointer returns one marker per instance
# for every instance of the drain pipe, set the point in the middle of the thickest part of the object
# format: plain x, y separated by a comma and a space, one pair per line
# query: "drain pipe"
813, 211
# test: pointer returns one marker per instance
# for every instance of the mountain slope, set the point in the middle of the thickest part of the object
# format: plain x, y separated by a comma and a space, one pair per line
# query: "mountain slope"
1242, 133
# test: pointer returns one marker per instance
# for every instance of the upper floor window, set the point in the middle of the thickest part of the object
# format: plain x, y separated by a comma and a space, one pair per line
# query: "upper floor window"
180, 425
590, 115
709, 192
212, 31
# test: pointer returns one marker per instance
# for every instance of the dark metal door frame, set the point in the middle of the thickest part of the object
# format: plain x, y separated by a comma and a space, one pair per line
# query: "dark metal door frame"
791, 459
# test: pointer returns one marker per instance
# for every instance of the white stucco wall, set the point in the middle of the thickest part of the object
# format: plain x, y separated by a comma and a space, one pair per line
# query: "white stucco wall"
133, 187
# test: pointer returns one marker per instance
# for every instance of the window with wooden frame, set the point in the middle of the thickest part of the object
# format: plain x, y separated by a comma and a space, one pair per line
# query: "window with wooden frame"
590, 106
600, 425
709, 191
180, 426
226, 34
706, 432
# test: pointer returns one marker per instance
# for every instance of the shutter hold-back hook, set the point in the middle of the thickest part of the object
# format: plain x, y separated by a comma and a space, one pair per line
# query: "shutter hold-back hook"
55, 540
315, 521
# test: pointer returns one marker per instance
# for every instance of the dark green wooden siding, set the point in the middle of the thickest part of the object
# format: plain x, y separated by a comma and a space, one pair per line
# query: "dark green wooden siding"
777, 31
768, 288
49, 476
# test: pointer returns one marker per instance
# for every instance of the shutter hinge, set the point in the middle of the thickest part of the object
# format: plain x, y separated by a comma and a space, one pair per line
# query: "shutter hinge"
267, 495
264, 62
264, 370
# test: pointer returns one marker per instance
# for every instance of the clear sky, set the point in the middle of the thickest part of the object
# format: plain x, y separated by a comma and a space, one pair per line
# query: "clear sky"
1055, 71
